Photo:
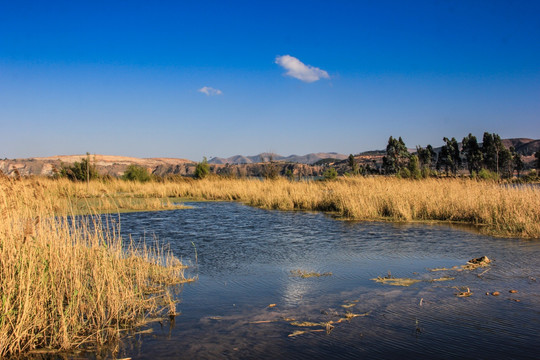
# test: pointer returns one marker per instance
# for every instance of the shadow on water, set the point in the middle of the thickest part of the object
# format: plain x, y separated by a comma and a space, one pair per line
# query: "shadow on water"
248, 303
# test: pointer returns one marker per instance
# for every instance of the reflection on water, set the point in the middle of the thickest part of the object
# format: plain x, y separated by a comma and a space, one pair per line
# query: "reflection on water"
245, 258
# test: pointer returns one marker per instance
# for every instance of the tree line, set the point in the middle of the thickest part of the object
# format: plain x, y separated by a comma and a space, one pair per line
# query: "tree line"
490, 158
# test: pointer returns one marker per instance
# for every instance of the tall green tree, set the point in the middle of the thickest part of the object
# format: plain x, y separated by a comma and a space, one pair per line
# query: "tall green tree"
396, 155
489, 152
497, 157
517, 161
202, 169
449, 157
537, 156
504, 164
472, 152
352, 164
426, 156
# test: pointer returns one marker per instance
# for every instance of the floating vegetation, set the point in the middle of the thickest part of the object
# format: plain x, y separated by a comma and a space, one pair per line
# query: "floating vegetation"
315, 326
390, 280
472, 264
304, 274
301, 332
397, 281
350, 315
327, 325
305, 323
272, 305
457, 268
262, 321
347, 306
444, 278
297, 332
463, 292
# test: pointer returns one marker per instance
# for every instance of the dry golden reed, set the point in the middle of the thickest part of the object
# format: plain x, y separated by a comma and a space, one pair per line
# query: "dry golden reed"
67, 282
497, 209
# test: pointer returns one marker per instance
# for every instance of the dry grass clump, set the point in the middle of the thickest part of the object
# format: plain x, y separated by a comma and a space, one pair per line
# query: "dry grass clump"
67, 282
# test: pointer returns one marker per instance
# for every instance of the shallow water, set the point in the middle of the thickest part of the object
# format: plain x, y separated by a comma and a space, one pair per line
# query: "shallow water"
245, 257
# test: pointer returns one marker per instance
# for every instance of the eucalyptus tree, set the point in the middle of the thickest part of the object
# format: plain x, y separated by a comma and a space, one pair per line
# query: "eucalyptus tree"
396, 155
472, 152
496, 156
426, 156
517, 161
489, 152
449, 157
352, 164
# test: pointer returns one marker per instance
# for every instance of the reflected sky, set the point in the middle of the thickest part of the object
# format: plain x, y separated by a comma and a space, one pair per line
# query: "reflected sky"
244, 261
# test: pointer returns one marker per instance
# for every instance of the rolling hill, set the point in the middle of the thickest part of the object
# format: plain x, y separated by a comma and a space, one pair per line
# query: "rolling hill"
301, 159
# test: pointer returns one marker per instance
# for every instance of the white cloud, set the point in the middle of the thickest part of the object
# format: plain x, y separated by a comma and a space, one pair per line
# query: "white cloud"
298, 70
210, 91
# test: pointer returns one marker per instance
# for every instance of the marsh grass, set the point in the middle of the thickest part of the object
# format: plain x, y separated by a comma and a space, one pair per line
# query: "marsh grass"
71, 282
493, 208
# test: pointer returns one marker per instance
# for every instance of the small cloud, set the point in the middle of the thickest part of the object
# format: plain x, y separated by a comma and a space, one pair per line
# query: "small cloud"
210, 91
298, 70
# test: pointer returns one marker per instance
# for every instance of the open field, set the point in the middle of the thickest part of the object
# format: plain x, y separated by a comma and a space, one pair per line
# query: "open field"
496, 209
68, 283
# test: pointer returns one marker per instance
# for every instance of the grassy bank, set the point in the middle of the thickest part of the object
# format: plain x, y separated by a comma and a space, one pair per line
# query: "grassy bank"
68, 283
496, 209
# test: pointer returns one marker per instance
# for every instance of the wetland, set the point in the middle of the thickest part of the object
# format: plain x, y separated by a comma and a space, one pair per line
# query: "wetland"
249, 301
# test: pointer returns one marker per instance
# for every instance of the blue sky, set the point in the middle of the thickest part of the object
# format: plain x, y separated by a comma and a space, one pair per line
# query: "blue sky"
218, 78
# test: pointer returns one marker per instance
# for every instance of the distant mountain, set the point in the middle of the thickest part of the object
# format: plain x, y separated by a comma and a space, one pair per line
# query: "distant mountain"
523, 146
301, 159
303, 165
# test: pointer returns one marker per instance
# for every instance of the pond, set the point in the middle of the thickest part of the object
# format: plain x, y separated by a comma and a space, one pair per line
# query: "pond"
249, 301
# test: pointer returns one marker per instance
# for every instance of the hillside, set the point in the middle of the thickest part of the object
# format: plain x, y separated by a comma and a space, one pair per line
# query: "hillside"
523, 146
106, 164
301, 159
304, 165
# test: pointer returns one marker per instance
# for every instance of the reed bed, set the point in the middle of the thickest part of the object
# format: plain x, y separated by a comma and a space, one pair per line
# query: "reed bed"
496, 209
70, 282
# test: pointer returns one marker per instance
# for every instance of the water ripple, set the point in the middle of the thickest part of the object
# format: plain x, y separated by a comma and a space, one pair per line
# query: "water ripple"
244, 261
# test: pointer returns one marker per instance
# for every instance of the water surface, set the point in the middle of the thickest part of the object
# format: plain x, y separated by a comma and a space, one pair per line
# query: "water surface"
245, 257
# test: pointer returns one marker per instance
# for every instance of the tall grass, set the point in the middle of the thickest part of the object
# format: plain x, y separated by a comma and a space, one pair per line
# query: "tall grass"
68, 282
496, 209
